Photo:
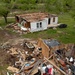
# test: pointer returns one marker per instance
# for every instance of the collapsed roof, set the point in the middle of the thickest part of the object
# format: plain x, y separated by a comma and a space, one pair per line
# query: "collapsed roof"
32, 17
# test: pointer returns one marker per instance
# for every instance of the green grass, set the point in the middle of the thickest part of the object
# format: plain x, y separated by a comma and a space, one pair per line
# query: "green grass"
2, 22
66, 35
3, 69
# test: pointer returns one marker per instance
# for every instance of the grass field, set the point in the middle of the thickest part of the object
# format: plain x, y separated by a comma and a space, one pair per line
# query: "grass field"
2, 22
66, 35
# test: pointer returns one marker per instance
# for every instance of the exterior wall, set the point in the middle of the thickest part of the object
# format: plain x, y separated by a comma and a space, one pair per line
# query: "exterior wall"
51, 20
45, 48
46, 20
56, 20
34, 28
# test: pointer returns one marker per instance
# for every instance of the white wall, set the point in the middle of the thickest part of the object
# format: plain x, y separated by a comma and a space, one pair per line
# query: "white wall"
51, 20
34, 26
56, 20
44, 24
46, 20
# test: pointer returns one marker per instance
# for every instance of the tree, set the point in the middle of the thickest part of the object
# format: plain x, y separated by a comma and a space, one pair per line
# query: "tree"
4, 11
50, 5
5, 7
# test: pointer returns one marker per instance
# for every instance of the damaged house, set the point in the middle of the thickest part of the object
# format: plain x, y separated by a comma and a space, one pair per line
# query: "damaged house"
33, 22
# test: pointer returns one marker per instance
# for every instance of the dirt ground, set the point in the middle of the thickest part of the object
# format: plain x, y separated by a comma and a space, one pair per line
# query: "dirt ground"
7, 39
5, 36
11, 39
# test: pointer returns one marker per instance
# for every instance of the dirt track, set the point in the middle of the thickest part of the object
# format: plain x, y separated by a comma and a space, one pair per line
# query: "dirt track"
6, 35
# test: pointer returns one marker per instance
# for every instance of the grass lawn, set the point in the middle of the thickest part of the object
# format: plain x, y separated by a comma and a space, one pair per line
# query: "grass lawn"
66, 35
2, 21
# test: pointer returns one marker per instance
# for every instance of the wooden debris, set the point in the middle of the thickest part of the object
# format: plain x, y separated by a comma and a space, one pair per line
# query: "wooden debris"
55, 66
12, 69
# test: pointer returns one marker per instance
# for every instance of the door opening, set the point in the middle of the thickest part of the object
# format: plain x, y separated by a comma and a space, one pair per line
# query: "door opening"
49, 21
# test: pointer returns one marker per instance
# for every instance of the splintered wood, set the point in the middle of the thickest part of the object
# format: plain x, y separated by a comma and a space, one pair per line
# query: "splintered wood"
55, 66
30, 55
12, 69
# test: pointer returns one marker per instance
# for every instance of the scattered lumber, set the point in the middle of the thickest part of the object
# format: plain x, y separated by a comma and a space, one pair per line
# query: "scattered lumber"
55, 66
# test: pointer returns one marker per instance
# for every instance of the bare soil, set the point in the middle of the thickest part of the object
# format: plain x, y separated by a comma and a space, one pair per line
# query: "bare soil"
5, 36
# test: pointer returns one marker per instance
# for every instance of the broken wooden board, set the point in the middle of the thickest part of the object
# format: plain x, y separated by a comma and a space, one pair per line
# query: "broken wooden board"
12, 69
55, 66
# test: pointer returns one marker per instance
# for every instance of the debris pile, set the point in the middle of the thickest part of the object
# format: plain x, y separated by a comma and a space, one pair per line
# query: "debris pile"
17, 28
41, 57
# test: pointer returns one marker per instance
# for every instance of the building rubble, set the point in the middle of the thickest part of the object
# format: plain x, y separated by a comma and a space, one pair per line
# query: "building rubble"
16, 27
41, 57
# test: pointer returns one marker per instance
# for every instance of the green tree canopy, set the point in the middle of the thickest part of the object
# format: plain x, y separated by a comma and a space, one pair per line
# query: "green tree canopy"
4, 12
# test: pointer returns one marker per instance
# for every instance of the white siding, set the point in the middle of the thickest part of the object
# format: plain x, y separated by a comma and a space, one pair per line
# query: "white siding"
46, 20
44, 24
34, 26
56, 20
51, 20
